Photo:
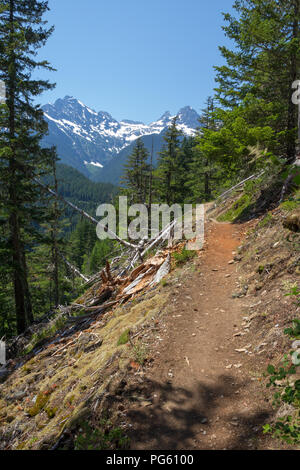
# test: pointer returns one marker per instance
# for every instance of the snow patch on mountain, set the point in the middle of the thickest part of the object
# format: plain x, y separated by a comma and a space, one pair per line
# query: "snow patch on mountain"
81, 133
93, 164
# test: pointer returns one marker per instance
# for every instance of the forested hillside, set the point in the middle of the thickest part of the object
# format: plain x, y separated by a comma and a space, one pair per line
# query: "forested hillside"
113, 171
77, 188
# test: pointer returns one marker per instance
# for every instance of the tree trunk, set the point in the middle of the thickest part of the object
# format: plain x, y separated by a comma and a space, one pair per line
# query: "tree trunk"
151, 175
54, 242
207, 190
28, 304
17, 275
21, 290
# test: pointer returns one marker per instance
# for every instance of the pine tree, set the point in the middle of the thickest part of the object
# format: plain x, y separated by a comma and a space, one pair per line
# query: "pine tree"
100, 253
51, 235
7, 319
22, 32
264, 64
184, 167
168, 175
204, 166
137, 173
81, 243
151, 170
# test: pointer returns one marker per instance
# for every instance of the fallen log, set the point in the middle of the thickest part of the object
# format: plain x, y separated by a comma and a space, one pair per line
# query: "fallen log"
95, 312
160, 237
73, 268
240, 184
162, 272
84, 214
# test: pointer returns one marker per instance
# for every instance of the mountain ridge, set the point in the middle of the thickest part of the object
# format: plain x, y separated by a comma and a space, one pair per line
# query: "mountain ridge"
86, 138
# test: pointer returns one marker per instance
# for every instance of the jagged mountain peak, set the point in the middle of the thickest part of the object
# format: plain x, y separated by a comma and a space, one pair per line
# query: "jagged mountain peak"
166, 115
84, 136
189, 117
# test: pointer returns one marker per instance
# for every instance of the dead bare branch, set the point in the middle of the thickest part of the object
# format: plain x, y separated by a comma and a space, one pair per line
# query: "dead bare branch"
84, 214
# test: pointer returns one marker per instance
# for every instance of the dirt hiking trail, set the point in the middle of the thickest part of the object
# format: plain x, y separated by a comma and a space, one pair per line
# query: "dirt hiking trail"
201, 392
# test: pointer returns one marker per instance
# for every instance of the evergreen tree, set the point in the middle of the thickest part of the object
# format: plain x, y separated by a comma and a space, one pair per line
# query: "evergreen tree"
204, 166
264, 64
100, 253
168, 175
151, 171
52, 242
222, 151
7, 317
137, 173
78, 189
185, 162
22, 32
81, 243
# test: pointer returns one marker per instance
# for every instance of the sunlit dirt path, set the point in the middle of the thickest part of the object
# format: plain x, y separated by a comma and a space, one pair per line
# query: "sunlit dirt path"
202, 391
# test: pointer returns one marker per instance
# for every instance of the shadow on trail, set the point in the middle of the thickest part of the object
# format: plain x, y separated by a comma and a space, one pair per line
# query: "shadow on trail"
185, 419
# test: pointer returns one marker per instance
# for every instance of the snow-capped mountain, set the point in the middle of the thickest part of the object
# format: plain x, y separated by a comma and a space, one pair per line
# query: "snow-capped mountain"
84, 137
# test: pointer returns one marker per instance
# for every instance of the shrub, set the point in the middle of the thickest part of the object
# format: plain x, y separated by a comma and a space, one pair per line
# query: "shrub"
290, 205
97, 439
140, 353
183, 256
286, 428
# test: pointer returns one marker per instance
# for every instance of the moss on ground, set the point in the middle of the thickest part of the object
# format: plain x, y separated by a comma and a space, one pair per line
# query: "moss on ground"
40, 403
124, 338
71, 380
183, 256
292, 203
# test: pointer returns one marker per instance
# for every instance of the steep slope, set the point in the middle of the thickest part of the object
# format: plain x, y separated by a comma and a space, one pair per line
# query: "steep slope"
178, 366
88, 140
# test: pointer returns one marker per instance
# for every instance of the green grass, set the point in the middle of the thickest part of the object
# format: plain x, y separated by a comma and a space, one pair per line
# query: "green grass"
266, 221
183, 256
236, 210
290, 205
124, 338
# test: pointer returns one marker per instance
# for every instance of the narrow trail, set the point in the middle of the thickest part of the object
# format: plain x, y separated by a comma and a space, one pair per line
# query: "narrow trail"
202, 391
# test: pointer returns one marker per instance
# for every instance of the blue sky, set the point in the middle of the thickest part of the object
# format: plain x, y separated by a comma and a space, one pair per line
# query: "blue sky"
135, 58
